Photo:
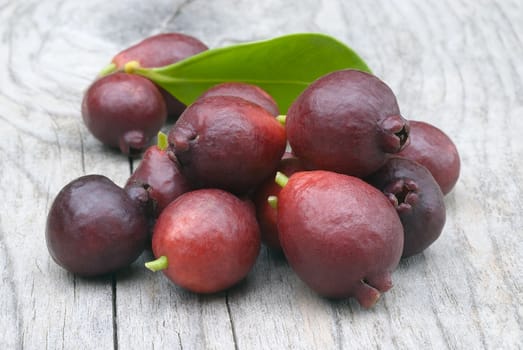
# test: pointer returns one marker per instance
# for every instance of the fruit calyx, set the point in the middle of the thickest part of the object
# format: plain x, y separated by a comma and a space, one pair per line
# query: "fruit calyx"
140, 193
395, 132
132, 141
182, 141
159, 264
180, 145
403, 194
366, 295
369, 289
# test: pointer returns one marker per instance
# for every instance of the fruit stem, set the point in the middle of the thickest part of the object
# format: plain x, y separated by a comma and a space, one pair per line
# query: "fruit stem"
131, 66
168, 82
282, 118
159, 264
153, 74
110, 68
162, 141
281, 179
273, 202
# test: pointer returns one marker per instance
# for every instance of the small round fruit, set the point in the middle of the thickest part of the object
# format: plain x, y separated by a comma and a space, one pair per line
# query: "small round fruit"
227, 142
124, 110
248, 92
348, 122
418, 199
160, 175
94, 227
208, 240
161, 50
432, 148
340, 235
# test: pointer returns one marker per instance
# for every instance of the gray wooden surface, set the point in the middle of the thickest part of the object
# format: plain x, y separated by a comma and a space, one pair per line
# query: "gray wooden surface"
456, 64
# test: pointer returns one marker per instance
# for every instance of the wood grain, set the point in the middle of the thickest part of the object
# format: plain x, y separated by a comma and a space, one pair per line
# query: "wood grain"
456, 64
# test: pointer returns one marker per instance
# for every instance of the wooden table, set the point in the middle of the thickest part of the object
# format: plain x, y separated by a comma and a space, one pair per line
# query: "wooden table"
456, 64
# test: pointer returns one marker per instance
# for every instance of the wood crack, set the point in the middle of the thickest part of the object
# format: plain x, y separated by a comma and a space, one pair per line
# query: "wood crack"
172, 18
231, 320
115, 314
7, 279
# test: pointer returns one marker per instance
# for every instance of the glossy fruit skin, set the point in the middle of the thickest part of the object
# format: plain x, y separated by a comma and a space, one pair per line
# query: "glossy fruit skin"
93, 228
124, 110
248, 92
434, 149
348, 122
161, 50
340, 235
267, 215
210, 238
417, 198
227, 142
160, 175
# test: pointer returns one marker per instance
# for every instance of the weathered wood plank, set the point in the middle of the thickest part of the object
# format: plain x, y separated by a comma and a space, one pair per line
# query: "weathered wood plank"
44, 146
153, 313
50, 306
454, 64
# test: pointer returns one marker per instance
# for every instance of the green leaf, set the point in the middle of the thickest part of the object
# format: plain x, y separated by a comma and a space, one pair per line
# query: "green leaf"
283, 66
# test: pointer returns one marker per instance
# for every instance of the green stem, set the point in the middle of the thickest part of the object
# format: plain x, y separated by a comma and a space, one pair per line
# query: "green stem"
162, 141
282, 118
273, 202
281, 179
110, 68
159, 264
133, 67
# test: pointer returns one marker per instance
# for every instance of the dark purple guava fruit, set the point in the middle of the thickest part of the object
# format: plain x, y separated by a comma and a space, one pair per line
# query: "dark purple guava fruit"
348, 122
227, 142
434, 149
161, 50
124, 110
340, 235
94, 228
418, 199
159, 174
